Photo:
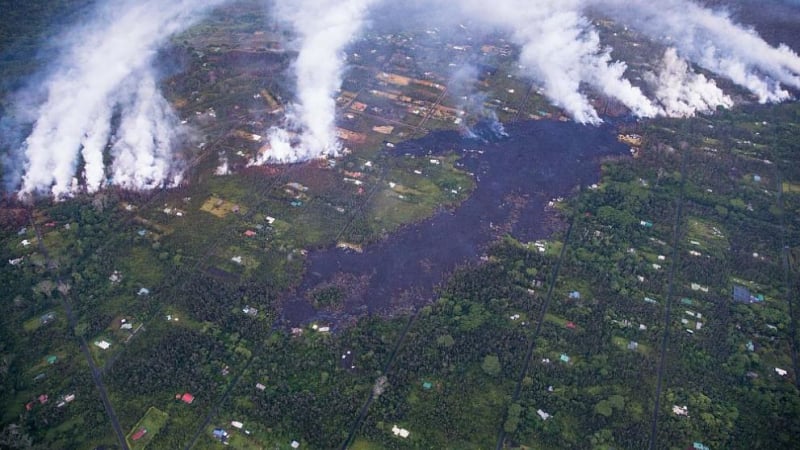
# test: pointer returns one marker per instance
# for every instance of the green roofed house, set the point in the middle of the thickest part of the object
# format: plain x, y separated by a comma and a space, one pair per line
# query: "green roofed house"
51, 359
564, 358
687, 301
427, 385
700, 446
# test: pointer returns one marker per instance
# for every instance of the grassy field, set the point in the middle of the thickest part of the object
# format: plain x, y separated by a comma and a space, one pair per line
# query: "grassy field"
152, 421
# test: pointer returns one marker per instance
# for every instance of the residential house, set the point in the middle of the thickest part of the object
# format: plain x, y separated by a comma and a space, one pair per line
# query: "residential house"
139, 434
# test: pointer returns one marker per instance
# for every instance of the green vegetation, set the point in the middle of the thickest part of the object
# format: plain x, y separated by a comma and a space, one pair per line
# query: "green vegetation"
152, 422
653, 253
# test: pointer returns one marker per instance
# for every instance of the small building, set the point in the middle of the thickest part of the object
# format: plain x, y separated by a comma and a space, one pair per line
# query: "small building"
680, 410
743, 295
139, 434
47, 318
575, 295
295, 444
564, 358
115, 277
187, 398
249, 233
220, 434
236, 424
570, 325
427, 385
42, 399
402, 432
260, 386
250, 311
143, 291
543, 414
750, 346
52, 359
633, 345
699, 446
780, 372
103, 345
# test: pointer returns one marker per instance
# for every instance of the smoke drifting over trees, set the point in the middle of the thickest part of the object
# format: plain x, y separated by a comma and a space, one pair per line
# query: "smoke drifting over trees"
100, 100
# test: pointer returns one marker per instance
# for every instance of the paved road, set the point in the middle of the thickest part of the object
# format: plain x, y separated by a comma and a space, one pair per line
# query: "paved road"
386, 370
501, 435
96, 376
668, 305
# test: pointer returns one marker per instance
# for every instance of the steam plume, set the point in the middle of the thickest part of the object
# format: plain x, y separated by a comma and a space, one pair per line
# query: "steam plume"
100, 101
324, 28
681, 91
105, 71
713, 41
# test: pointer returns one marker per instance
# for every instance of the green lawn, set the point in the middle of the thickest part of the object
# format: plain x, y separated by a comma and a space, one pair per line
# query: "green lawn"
152, 421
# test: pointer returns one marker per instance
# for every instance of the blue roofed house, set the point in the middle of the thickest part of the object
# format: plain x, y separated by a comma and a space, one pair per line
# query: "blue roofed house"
220, 434
742, 294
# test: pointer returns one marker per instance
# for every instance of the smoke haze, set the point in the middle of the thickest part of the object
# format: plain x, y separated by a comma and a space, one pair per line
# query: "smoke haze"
105, 71
101, 100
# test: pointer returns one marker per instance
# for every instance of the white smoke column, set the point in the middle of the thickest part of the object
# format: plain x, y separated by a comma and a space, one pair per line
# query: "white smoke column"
142, 148
681, 91
88, 83
560, 49
324, 28
713, 41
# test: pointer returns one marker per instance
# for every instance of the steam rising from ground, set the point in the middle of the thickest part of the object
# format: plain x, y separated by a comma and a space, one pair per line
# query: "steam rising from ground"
101, 99
681, 91
561, 49
324, 28
105, 75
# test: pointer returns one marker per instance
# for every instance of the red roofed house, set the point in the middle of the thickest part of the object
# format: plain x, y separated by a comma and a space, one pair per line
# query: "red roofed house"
43, 399
570, 325
29, 406
187, 398
249, 233
139, 433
